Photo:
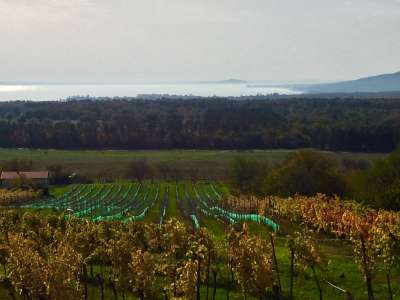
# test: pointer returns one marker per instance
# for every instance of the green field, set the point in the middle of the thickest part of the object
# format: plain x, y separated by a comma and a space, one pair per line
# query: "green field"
211, 164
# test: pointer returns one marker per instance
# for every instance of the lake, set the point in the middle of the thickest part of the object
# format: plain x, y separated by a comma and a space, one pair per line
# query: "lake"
48, 92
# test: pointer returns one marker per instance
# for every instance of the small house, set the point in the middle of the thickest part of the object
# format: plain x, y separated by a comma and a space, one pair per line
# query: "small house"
36, 179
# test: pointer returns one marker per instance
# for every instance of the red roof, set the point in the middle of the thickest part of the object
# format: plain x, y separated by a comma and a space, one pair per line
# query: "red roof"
28, 175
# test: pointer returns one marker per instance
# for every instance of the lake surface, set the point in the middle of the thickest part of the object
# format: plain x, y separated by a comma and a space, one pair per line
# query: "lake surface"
47, 92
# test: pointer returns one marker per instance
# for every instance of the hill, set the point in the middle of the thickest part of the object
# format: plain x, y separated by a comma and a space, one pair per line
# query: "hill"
373, 84
226, 81
232, 81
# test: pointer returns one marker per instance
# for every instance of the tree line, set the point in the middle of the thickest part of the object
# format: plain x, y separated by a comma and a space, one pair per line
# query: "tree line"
351, 124
309, 172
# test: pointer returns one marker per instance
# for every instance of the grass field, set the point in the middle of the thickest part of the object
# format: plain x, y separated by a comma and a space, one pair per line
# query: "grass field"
210, 163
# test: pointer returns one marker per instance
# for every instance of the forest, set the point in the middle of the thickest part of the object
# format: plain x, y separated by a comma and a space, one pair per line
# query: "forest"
364, 124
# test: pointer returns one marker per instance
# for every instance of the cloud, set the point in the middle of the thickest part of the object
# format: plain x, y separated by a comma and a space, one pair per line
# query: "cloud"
188, 39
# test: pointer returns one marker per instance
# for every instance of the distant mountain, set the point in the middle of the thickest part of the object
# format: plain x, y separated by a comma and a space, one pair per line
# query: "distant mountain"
228, 81
232, 81
374, 84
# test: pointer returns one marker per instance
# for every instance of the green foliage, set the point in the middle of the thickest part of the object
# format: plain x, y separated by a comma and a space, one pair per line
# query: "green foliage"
379, 186
246, 175
307, 173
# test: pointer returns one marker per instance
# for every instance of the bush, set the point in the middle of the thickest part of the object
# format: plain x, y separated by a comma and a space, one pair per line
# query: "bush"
306, 173
58, 174
138, 170
246, 176
379, 186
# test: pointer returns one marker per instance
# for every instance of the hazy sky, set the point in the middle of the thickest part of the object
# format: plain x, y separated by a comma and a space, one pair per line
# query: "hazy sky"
168, 40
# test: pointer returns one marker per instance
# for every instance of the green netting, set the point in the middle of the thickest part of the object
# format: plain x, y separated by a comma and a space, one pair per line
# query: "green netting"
122, 208
139, 217
121, 215
234, 217
100, 202
195, 221
248, 217
53, 202
143, 214
92, 203
115, 217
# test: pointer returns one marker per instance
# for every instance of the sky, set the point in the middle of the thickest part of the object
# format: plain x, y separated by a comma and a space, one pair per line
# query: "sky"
191, 40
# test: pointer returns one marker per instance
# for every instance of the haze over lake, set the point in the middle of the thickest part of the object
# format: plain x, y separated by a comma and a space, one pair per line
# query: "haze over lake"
46, 92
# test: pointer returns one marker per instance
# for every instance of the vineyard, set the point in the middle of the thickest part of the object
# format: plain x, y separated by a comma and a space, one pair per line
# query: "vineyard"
181, 240
17, 197
128, 202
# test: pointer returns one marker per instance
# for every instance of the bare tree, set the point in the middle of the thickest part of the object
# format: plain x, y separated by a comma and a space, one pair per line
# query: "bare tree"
164, 170
193, 174
138, 169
